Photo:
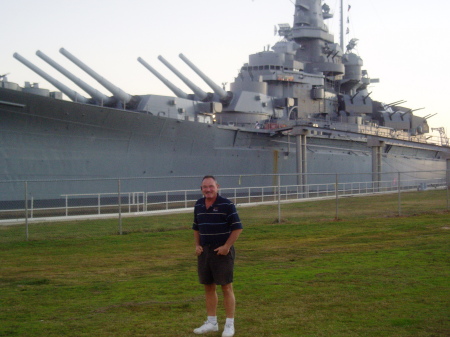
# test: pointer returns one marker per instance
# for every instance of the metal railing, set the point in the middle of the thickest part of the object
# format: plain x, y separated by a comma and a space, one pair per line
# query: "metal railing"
142, 202
117, 198
376, 130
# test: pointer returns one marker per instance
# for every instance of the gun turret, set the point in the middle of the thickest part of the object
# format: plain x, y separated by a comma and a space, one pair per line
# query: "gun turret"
118, 93
177, 91
199, 92
73, 95
97, 95
218, 90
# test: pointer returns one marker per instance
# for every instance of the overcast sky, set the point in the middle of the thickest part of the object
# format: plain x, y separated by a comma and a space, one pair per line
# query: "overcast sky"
404, 43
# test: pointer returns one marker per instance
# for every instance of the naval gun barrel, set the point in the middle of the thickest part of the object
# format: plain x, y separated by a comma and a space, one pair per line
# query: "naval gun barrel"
177, 91
199, 92
97, 95
116, 91
218, 90
73, 95
396, 102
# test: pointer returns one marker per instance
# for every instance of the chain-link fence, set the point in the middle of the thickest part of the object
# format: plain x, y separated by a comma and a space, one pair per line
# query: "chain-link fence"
26, 203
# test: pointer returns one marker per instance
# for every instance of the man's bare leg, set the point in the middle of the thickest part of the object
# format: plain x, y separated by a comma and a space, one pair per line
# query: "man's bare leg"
228, 300
211, 299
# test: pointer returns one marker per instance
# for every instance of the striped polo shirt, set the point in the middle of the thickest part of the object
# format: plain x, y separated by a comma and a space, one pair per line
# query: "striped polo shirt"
216, 223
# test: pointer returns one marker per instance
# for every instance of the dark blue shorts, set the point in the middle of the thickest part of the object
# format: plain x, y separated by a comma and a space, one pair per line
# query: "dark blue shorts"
215, 269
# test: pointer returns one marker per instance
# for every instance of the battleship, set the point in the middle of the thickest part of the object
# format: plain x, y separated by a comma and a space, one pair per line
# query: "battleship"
302, 106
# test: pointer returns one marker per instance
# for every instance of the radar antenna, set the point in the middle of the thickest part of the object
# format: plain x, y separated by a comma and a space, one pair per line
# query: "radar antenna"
352, 44
285, 30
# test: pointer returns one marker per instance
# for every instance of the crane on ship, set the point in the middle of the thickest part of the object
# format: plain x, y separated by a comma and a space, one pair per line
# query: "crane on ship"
444, 139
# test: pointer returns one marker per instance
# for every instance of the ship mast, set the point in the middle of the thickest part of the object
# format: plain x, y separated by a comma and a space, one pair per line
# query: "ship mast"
342, 25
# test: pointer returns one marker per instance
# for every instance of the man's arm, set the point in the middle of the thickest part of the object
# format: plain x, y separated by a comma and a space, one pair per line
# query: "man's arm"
198, 247
225, 249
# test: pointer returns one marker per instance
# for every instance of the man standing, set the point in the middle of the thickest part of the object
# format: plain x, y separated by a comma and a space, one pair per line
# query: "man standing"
216, 227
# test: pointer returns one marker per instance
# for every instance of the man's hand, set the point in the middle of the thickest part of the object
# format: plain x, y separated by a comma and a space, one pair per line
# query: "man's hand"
222, 250
225, 249
198, 250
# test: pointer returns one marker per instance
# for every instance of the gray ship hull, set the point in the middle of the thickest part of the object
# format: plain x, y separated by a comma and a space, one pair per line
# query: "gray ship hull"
45, 139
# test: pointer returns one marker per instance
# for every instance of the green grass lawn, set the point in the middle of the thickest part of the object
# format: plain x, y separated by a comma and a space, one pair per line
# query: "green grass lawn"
365, 274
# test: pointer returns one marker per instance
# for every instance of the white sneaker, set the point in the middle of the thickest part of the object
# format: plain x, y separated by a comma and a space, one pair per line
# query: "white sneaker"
228, 331
207, 327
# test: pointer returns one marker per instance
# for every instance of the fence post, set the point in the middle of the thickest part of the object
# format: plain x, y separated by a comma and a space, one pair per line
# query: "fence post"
146, 201
279, 198
26, 209
336, 216
120, 207
167, 200
31, 208
399, 195
448, 185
